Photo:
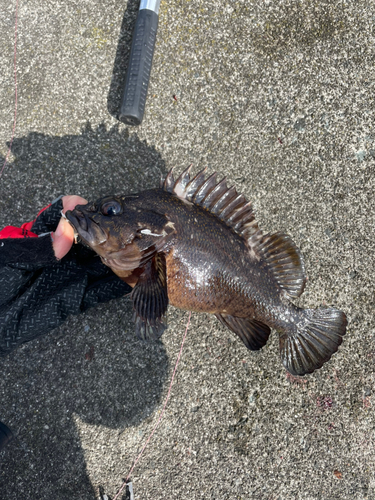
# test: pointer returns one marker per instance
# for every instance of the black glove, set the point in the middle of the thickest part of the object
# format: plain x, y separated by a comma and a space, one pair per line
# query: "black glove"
37, 291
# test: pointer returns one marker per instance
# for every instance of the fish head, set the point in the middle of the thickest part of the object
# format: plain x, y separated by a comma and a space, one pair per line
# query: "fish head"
121, 230
106, 225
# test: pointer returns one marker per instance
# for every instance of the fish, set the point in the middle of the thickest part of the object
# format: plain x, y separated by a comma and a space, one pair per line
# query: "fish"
194, 243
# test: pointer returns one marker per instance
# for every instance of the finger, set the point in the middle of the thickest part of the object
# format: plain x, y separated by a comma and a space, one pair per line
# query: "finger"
71, 201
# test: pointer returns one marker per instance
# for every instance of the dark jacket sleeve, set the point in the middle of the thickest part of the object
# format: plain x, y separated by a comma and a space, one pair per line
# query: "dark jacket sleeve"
38, 292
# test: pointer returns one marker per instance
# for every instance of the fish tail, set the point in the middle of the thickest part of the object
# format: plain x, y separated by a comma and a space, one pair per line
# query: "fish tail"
311, 341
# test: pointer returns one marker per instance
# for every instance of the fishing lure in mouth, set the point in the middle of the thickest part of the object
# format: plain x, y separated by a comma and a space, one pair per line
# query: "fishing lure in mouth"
194, 243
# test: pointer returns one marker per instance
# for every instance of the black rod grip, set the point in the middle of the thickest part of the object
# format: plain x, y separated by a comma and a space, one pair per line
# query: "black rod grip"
139, 68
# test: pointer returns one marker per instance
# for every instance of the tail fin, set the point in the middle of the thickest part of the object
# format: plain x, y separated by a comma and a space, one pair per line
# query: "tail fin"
316, 338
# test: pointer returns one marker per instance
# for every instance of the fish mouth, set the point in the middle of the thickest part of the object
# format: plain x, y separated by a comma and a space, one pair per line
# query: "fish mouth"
88, 230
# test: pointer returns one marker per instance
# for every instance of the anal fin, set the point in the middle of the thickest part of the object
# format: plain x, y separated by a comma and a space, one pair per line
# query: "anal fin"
253, 333
150, 300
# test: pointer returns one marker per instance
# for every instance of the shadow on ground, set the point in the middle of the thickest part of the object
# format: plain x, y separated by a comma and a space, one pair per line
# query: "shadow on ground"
94, 163
92, 368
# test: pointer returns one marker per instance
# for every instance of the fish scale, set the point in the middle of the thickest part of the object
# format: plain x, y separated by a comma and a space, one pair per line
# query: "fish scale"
194, 243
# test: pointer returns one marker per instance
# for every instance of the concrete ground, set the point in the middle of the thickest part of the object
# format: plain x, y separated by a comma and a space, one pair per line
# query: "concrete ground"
279, 97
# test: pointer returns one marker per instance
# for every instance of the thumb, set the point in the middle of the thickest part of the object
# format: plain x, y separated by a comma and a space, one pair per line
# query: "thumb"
62, 238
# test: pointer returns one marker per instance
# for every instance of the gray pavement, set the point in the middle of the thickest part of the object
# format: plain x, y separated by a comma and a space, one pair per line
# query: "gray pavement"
279, 97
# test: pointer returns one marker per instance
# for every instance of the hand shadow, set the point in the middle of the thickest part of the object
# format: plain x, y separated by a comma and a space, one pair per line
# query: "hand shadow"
92, 368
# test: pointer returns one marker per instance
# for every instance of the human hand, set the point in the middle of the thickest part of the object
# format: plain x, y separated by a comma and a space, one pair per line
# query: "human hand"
62, 238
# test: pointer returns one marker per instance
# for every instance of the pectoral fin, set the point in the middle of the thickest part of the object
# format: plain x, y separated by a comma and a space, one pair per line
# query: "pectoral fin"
253, 333
150, 299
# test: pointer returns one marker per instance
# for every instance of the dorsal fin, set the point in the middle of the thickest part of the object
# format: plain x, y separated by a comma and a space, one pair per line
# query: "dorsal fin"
285, 261
168, 182
231, 207
277, 250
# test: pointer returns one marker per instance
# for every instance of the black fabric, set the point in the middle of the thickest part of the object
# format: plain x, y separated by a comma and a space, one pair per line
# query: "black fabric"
38, 292
31, 253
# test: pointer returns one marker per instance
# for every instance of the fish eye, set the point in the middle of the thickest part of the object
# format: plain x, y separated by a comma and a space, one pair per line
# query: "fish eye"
111, 208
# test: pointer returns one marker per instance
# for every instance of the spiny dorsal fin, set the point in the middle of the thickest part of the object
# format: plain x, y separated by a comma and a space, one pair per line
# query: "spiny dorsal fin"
285, 261
168, 183
231, 207
278, 250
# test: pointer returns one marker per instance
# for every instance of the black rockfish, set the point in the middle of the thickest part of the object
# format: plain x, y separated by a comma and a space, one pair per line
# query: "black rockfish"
194, 243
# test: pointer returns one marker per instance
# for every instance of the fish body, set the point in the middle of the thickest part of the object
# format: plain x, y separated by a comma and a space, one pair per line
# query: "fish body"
195, 243
208, 265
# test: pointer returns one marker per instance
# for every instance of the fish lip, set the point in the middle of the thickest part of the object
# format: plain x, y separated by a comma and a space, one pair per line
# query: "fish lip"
91, 234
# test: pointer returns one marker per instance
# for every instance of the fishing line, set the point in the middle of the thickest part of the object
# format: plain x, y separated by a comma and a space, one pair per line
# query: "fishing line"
15, 84
162, 412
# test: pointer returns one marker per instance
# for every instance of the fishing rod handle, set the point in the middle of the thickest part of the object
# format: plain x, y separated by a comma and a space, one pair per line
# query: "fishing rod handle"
140, 62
